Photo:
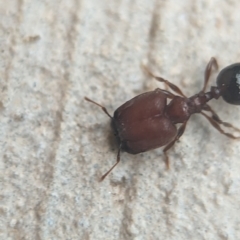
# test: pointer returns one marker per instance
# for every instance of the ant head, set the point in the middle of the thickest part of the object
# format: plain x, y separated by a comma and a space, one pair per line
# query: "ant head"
229, 80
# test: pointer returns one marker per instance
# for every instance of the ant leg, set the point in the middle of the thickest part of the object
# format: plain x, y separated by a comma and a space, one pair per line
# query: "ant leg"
118, 160
168, 94
216, 118
216, 125
179, 134
103, 108
212, 63
175, 88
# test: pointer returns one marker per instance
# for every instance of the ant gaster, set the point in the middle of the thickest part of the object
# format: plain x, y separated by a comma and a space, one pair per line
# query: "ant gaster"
147, 122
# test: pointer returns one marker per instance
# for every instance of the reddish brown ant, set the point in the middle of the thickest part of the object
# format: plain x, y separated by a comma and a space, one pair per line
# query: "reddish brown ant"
147, 122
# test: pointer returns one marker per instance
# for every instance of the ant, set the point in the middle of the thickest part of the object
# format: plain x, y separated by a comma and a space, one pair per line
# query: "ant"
147, 122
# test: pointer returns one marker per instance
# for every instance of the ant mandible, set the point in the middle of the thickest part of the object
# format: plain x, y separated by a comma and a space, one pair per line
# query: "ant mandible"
147, 122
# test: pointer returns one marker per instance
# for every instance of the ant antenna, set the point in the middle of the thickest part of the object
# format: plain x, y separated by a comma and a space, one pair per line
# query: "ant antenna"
118, 160
102, 107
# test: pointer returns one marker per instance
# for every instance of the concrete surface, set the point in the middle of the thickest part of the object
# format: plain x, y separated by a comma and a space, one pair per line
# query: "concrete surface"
55, 146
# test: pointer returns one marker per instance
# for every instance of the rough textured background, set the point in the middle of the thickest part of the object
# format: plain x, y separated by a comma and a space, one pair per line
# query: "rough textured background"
54, 145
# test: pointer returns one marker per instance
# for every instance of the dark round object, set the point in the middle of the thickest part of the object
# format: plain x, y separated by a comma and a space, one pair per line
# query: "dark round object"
229, 79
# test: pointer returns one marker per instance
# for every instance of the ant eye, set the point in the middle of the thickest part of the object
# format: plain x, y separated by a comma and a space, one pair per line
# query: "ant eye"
229, 78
